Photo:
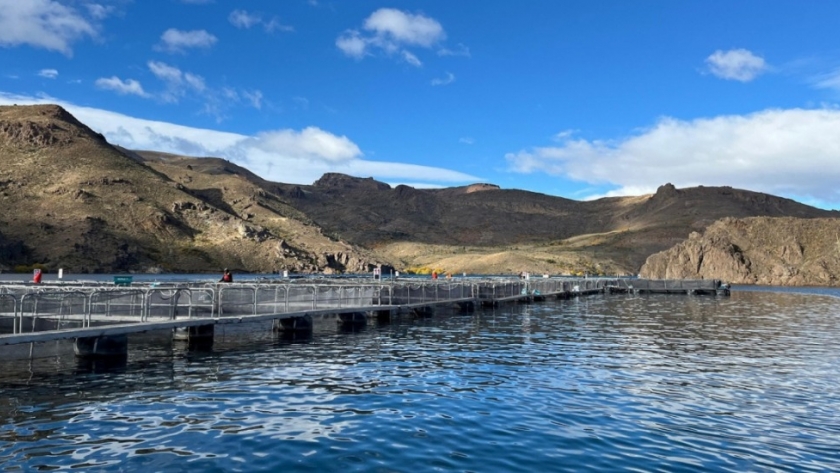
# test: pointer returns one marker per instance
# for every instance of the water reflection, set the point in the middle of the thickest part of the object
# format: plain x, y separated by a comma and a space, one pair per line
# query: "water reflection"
600, 383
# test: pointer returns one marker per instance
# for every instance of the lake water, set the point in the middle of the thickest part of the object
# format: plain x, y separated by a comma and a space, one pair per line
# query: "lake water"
616, 383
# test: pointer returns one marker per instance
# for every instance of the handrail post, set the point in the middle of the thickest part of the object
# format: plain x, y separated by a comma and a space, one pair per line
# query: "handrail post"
221, 304
255, 288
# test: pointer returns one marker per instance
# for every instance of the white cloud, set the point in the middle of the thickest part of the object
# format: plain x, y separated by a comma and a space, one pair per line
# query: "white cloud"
244, 19
404, 28
44, 24
48, 73
100, 12
736, 64
255, 98
177, 41
165, 72
450, 78
793, 152
828, 81
411, 59
274, 24
311, 143
178, 83
467, 140
291, 156
352, 44
564, 135
392, 31
127, 87
459, 50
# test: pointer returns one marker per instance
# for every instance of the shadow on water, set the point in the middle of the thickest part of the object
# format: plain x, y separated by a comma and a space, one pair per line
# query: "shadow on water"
652, 383
110, 365
293, 337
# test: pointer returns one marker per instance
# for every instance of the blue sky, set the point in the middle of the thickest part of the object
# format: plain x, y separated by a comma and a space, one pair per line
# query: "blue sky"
578, 99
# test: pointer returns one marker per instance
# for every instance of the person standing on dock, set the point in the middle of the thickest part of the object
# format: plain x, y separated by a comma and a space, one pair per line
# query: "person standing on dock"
226, 276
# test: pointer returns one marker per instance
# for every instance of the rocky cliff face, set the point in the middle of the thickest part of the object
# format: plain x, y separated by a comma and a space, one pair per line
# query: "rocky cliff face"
71, 200
759, 250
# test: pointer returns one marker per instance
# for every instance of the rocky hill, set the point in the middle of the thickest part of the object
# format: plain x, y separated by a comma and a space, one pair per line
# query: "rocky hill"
72, 200
487, 229
760, 250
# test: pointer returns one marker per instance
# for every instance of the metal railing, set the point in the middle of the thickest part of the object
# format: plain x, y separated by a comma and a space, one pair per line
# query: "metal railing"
53, 307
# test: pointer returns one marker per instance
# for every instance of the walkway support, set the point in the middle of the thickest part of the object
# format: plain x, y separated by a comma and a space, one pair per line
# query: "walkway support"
199, 334
293, 324
107, 346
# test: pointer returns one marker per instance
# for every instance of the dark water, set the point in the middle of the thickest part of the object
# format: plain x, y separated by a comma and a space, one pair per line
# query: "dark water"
615, 383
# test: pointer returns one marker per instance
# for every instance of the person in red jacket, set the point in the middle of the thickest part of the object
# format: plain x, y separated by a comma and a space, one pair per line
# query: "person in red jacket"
226, 276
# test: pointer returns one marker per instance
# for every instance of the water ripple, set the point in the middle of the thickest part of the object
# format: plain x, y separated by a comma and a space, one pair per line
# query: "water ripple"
624, 383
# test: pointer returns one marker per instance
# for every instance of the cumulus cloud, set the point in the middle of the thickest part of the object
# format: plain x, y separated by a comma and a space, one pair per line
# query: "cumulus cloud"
177, 83
736, 64
285, 155
100, 12
48, 73
43, 24
127, 87
177, 41
391, 31
311, 143
794, 152
352, 44
404, 28
243, 19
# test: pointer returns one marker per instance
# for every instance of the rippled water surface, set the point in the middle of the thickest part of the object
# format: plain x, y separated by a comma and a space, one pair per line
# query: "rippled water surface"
642, 383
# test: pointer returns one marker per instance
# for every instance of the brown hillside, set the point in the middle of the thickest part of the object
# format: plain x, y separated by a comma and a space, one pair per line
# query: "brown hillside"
72, 200
619, 232
775, 251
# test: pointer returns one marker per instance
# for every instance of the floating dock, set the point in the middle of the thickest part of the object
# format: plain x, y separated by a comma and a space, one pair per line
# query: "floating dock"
99, 316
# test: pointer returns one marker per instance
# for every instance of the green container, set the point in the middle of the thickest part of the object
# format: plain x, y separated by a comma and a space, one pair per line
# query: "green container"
122, 280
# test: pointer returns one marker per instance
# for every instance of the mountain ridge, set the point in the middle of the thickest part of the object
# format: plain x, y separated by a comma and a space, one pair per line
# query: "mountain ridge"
77, 202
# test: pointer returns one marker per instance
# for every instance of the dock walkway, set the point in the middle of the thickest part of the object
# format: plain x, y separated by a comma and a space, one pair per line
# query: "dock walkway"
32, 313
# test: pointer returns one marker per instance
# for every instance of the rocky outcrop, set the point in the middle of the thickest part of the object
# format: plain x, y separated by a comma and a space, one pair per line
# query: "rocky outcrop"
760, 250
71, 200
343, 181
342, 262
